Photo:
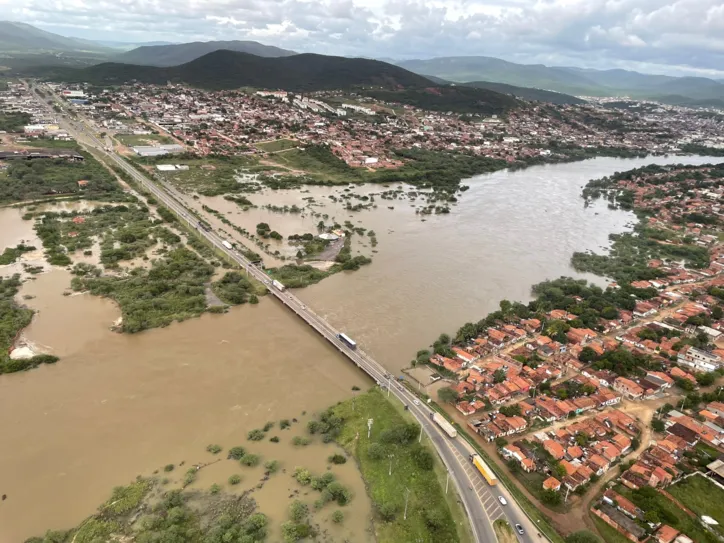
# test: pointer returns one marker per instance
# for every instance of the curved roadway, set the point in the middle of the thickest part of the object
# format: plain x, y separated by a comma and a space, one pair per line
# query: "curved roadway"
481, 501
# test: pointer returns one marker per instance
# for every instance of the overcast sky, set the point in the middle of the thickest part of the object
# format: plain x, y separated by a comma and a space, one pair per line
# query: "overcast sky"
684, 37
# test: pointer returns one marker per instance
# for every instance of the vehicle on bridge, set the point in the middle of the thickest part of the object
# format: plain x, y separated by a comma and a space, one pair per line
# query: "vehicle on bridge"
448, 428
277, 285
227, 244
484, 470
347, 340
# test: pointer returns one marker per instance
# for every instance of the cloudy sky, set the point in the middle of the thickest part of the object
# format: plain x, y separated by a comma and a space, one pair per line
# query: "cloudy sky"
684, 37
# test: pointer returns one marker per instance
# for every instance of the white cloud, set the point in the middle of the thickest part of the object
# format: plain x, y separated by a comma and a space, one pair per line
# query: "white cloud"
675, 36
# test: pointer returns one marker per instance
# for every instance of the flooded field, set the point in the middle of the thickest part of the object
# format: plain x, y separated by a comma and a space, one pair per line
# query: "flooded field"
117, 406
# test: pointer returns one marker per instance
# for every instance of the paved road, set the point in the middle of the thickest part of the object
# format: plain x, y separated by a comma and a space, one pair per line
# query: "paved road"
481, 501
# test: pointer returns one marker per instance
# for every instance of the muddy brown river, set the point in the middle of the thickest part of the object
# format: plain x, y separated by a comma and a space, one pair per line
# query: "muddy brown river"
117, 406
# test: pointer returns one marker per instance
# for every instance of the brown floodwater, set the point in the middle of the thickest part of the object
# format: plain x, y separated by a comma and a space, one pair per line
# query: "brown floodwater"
117, 406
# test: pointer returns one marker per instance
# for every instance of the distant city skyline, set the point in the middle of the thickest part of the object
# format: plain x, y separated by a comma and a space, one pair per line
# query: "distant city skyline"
676, 37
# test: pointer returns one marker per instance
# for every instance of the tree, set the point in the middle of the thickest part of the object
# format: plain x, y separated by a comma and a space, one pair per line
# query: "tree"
500, 442
499, 375
387, 511
551, 497
717, 312
511, 410
447, 395
587, 355
298, 511
705, 379
422, 458
658, 425
376, 451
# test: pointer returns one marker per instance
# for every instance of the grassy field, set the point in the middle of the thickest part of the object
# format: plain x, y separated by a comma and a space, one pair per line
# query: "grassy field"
207, 176
277, 145
609, 534
429, 516
701, 496
132, 140
504, 532
668, 512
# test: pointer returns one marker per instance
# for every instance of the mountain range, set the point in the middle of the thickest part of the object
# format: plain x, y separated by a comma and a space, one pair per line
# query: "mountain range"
24, 46
698, 91
181, 53
231, 70
23, 38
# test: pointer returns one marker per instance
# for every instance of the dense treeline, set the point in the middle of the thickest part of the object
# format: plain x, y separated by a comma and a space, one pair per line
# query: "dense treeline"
172, 290
40, 178
13, 121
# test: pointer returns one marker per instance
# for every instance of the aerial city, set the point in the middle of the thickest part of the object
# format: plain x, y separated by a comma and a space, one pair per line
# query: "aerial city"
361, 272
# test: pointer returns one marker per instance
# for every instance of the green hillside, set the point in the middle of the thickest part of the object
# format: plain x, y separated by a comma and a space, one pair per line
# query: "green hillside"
230, 69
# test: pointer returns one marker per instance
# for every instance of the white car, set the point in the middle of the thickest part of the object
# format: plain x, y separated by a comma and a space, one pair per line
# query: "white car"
417, 402
502, 500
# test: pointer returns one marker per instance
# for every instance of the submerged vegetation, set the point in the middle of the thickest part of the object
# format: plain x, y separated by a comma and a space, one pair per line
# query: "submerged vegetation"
171, 290
144, 512
13, 319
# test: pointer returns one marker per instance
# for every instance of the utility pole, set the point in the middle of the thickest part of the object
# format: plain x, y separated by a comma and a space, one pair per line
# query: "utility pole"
391, 456
369, 427
568, 489
447, 481
389, 385
407, 495
420, 438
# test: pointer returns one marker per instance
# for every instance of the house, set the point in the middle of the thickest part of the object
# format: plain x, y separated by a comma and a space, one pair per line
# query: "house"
678, 373
666, 534
698, 359
465, 356
552, 484
628, 388
623, 504
554, 449
660, 378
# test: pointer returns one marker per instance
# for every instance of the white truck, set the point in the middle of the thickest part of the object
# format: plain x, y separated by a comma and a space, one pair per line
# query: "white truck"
277, 285
227, 244
448, 428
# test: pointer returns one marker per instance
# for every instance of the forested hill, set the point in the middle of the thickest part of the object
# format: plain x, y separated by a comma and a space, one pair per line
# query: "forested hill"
527, 93
230, 69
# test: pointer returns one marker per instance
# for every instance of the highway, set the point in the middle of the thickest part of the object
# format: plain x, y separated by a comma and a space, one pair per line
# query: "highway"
480, 500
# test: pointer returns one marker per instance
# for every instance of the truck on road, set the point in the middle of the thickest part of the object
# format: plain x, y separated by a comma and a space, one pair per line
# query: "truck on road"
448, 428
227, 244
484, 470
277, 285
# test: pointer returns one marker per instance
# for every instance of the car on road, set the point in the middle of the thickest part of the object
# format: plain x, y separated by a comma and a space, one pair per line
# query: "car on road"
416, 402
520, 529
304, 307
502, 500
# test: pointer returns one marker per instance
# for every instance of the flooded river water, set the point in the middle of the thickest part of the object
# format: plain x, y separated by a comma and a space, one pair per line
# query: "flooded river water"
116, 406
